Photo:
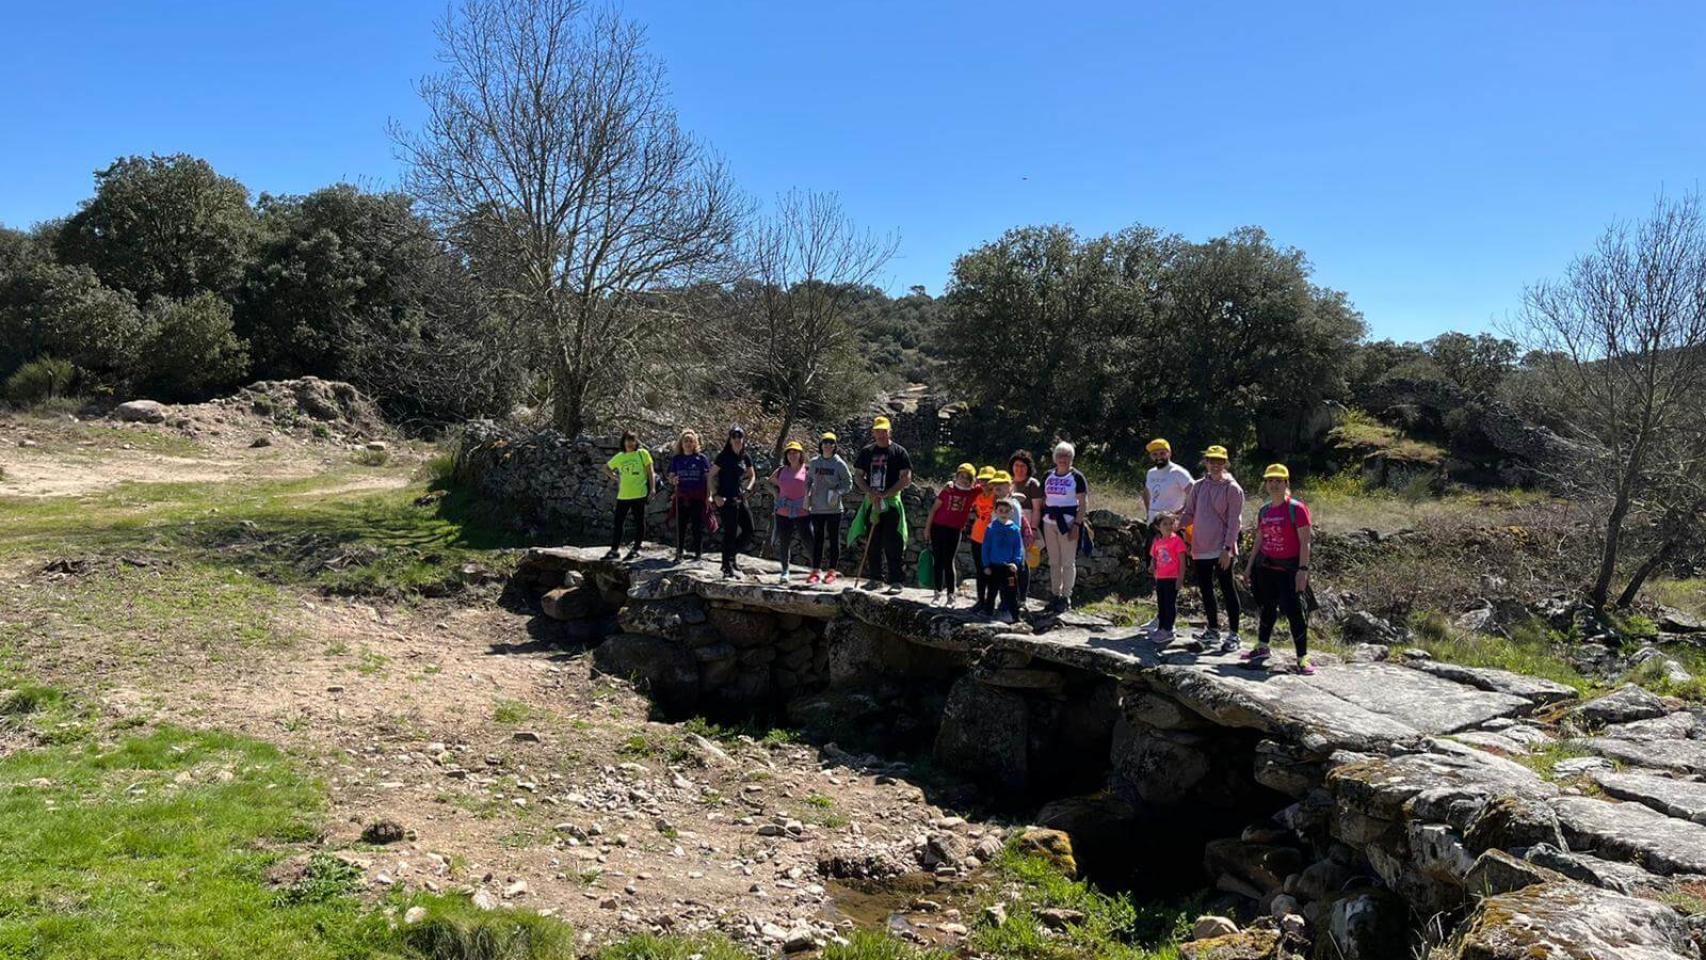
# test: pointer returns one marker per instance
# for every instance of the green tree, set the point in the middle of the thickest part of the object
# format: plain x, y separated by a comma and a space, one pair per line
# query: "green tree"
192, 348
47, 308
1477, 363
162, 226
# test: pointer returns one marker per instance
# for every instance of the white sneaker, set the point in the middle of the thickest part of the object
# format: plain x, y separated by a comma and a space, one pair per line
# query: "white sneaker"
784, 578
1230, 643
936, 598
1153, 625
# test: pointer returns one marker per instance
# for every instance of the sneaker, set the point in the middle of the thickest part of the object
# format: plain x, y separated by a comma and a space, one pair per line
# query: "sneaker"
678, 555
1208, 635
1005, 617
1230, 643
813, 577
949, 599
728, 572
935, 598
831, 577
873, 585
784, 577
1305, 667
1160, 637
1153, 625
633, 554
1255, 657
894, 589
614, 554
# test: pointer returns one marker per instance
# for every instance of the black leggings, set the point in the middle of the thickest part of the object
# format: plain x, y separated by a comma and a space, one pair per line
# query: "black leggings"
737, 529
998, 582
1276, 590
637, 507
786, 528
826, 529
944, 544
1208, 571
690, 513
1166, 602
977, 568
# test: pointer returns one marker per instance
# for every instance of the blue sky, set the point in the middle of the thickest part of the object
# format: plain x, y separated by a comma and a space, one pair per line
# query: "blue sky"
1430, 158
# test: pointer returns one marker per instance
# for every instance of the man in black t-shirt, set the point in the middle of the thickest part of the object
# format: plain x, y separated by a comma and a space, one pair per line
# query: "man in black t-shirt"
883, 470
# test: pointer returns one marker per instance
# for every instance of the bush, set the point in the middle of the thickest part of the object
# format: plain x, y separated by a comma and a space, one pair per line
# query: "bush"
192, 348
455, 929
41, 380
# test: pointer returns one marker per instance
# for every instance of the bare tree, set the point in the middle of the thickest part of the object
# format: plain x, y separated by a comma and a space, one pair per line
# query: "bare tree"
550, 150
1622, 339
809, 262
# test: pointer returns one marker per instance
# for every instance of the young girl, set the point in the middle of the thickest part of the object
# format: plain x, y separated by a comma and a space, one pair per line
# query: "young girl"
632, 469
982, 511
1279, 567
689, 471
831, 481
791, 480
947, 522
1167, 554
1003, 555
1000, 489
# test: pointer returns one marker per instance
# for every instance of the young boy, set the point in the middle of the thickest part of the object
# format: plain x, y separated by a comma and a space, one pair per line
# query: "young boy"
1166, 553
946, 523
1003, 554
999, 488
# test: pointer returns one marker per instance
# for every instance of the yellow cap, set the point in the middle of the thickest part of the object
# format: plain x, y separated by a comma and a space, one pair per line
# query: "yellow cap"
1276, 471
794, 445
1216, 452
1001, 476
881, 423
967, 468
1159, 444
986, 473
827, 437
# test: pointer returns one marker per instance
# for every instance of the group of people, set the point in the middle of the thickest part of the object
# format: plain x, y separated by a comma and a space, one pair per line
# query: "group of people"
1011, 517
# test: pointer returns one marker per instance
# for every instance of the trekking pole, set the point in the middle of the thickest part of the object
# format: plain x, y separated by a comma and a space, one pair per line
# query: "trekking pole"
870, 534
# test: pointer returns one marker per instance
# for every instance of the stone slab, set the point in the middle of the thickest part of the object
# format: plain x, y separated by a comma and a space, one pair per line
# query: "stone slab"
1680, 799
1536, 691
1633, 833
1568, 921
1678, 756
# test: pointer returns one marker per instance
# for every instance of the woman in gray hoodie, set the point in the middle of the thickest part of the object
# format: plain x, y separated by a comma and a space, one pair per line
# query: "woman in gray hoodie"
828, 480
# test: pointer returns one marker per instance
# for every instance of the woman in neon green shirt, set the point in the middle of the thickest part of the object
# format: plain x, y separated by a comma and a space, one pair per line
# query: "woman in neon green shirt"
634, 479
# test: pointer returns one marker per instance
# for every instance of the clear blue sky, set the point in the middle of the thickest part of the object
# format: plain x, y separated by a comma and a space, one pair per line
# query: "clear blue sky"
1430, 158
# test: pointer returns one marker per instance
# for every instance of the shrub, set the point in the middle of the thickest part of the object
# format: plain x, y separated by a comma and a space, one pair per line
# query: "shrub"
40, 380
454, 929
192, 347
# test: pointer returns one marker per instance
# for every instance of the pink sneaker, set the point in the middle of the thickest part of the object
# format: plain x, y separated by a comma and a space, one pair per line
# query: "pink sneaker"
831, 577
813, 578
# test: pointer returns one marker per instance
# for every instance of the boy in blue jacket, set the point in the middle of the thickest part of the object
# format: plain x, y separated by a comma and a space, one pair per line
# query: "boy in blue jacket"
1003, 555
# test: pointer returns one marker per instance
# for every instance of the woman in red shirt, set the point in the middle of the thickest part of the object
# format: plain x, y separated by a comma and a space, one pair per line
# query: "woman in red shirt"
1279, 567
946, 522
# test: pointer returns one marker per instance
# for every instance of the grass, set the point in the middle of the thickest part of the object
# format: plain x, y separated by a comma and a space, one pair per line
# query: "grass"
1688, 595
1544, 758
1359, 432
1531, 649
1109, 927
194, 603
1120, 612
455, 929
511, 712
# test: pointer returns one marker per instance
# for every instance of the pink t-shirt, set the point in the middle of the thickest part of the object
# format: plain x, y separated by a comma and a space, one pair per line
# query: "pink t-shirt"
1277, 532
1169, 556
791, 491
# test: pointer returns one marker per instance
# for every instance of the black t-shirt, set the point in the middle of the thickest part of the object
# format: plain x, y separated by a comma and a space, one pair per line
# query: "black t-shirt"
882, 465
731, 472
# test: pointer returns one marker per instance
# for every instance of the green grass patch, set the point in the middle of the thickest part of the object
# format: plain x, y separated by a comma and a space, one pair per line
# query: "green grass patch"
1120, 612
1544, 758
1531, 649
866, 945
1687, 595
455, 929
1103, 927
511, 711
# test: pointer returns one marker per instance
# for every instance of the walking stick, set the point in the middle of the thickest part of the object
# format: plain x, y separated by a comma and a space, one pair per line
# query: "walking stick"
870, 534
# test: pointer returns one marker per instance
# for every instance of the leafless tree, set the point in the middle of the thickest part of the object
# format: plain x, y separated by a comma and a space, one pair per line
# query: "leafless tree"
809, 263
1622, 341
550, 150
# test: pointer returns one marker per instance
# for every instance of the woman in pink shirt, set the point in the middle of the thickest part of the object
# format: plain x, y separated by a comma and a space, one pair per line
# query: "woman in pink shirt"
1279, 567
1214, 514
790, 480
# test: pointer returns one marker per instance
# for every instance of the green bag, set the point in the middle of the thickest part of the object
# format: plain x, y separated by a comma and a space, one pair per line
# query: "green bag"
927, 569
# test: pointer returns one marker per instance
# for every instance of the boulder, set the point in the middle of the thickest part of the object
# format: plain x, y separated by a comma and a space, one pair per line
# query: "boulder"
668, 671
1052, 846
1208, 927
1680, 799
743, 628
576, 600
984, 735
1497, 872
1513, 823
1360, 626
1366, 926
1161, 767
1568, 920
141, 411
662, 618
1633, 833
1253, 944
1626, 703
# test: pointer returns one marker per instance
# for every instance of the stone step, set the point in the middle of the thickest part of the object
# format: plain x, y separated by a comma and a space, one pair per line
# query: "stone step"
1679, 799
1633, 833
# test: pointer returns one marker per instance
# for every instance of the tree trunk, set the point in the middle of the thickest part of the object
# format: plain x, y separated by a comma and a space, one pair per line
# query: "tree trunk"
568, 411
788, 412
1642, 572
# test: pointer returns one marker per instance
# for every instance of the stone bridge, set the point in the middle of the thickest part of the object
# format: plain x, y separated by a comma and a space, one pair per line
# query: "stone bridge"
1381, 799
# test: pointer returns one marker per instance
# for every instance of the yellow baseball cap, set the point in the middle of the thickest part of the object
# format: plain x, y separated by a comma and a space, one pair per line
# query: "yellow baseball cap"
1276, 471
827, 438
881, 423
966, 468
1002, 476
1216, 452
794, 445
1158, 444
986, 473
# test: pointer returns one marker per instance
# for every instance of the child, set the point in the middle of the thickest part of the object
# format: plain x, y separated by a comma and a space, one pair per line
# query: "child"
1167, 553
632, 469
689, 471
983, 511
831, 481
947, 522
790, 480
1003, 554
1000, 489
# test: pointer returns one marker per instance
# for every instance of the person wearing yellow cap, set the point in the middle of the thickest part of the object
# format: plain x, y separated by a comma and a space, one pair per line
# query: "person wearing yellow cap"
831, 481
882, 470
947, 523
1278, 568
982, 511
1215, 508
792, 482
